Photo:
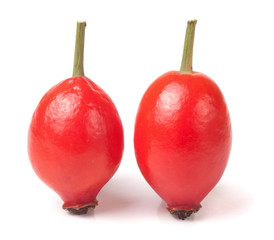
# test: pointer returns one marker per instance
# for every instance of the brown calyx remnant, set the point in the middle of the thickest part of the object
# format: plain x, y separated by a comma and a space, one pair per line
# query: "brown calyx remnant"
80, 211
183, 214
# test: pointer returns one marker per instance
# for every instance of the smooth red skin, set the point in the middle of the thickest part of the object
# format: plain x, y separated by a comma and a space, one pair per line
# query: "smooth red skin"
75, 140
182, 138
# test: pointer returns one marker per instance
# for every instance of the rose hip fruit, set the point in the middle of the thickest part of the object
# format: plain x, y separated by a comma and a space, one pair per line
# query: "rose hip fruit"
183, 135
75, 140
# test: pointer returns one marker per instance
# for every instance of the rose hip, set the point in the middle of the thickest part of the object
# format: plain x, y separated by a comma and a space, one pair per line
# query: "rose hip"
183, 135
75, 139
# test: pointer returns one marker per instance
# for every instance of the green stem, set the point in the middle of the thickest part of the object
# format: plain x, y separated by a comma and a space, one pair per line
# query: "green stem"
186, 65
78, 65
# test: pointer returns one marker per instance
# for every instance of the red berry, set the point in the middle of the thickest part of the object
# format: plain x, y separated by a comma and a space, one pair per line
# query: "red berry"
75, 141
182, 138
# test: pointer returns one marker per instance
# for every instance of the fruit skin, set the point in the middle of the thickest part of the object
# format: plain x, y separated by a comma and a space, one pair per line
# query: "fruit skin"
182, 138
75, 140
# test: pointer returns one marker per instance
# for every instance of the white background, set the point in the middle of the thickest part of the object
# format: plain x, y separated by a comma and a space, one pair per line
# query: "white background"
128, 45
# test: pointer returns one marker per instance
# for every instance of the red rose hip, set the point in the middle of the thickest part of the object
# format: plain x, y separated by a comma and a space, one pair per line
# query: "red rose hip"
75, 139
182, 135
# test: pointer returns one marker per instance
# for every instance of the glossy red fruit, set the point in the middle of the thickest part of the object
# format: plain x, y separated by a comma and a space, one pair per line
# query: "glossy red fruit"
75, 140
183, 136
